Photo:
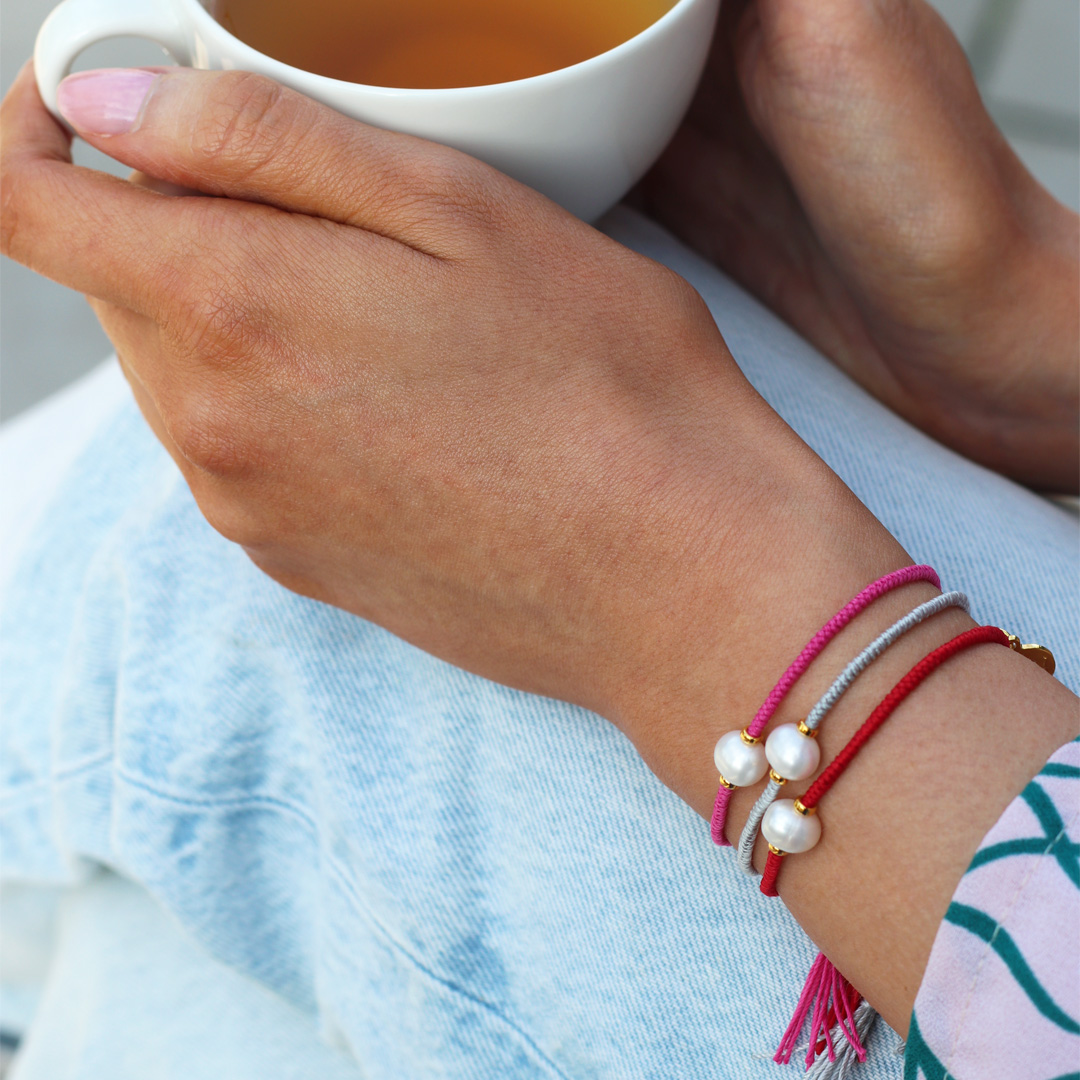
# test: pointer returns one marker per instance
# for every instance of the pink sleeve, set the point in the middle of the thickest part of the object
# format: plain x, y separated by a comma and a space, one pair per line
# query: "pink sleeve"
1000, 998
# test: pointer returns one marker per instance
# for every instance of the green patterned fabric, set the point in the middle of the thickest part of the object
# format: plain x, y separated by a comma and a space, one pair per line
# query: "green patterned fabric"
1000, 999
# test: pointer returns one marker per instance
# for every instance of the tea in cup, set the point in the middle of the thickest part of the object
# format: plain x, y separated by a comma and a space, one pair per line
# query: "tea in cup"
433, 44
576, 98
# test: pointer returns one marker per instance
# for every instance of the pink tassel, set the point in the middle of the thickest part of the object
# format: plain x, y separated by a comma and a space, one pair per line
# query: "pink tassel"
848, 998
810, 992
828, 998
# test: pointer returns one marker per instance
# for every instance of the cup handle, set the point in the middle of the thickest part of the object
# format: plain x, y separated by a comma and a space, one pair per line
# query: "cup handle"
77, 24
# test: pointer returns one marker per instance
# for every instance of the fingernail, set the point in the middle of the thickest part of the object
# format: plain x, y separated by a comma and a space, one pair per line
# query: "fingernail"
104, 102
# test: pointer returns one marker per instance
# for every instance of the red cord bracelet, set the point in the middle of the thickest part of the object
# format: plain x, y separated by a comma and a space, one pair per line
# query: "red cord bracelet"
828, 998
798, 816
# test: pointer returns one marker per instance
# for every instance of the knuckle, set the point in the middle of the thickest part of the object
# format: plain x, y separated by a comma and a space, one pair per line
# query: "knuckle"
446, 190
680, 309
203, 321
955, 249
447, 182
10, 231
217, 327
22, 185
674, 293
246, 122
213, 312
229, 516
213, 435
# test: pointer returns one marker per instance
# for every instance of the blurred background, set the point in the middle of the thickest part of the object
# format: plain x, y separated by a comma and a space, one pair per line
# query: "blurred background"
1025, 54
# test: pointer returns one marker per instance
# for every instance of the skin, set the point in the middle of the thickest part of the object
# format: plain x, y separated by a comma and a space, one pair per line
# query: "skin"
840, 164
417, 390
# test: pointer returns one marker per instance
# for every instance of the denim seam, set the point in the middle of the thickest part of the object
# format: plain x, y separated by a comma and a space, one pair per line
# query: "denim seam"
38, 790
361, 909
458, 991
236, 802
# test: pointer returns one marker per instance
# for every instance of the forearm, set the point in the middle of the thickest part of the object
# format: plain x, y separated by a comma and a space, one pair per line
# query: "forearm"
902, 824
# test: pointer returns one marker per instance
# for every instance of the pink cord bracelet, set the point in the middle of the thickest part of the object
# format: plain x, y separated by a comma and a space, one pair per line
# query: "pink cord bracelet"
739, 757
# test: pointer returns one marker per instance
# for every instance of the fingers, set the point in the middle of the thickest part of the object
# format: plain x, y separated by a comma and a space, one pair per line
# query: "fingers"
168, 405
133, 336
39, 136
94, 233
241, 135
162, 187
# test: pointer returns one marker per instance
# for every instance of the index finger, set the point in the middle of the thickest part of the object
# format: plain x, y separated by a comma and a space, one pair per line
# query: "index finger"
85, 229
241, 135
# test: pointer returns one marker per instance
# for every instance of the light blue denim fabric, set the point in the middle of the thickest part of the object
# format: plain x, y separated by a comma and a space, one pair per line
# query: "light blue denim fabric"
436, 875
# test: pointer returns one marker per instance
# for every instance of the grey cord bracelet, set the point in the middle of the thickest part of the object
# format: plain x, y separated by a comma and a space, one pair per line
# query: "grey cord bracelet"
748, 838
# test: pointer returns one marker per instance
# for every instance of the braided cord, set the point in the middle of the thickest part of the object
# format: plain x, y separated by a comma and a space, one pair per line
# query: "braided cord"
844, 680
979, 635
813, 647
833, 627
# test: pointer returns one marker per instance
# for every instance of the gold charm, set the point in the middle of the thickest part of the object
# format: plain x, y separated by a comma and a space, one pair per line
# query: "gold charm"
1039, 653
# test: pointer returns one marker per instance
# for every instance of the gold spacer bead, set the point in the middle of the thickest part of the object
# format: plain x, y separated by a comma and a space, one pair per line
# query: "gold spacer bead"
750, 740
809, 732
776, 778
777, 851
725, 782
806, 811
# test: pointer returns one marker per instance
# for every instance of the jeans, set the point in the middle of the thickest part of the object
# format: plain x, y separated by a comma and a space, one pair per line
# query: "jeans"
291, 845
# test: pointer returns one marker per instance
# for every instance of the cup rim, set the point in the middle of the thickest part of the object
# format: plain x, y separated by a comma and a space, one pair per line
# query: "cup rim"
559, 74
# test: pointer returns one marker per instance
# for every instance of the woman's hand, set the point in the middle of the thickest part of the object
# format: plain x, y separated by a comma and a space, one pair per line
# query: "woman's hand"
839, 162
419, 391
406, 384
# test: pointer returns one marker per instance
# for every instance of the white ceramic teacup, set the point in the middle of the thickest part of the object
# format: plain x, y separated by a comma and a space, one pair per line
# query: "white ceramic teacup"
583, 135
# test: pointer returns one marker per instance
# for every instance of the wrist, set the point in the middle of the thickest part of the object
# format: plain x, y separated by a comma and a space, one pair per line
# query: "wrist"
905, 820
747, 605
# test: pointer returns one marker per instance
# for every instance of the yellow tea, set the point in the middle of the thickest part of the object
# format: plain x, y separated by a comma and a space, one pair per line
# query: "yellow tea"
435, 43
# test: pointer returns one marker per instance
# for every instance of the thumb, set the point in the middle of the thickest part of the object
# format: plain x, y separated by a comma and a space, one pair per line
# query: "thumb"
241, 135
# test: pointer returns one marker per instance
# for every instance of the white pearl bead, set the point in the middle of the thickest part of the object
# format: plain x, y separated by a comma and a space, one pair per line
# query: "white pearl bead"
792, 754
738, 763
785, 828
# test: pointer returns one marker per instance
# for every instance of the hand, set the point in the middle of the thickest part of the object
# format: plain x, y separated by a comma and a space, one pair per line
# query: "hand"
414, 389
839, 163
407, 385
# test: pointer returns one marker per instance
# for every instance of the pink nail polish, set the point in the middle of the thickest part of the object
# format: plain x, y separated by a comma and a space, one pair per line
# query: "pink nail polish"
104, 102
